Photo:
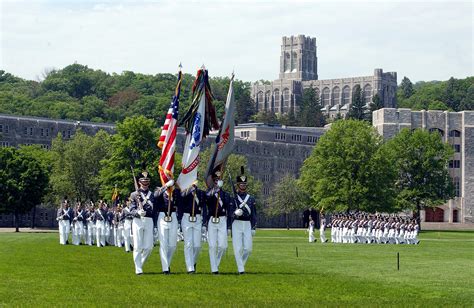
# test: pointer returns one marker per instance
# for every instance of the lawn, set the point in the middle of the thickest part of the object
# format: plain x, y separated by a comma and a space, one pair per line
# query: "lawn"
36, 270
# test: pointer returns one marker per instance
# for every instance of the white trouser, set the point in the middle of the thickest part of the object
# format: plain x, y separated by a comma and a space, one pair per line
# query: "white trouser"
64, 228
168, 234
100, 232
310, 231
217, 239
242, 242
192, 240
333, 234
77, 232
127, 234
90, 232
119, 236
322, 236
109, 234
142, 241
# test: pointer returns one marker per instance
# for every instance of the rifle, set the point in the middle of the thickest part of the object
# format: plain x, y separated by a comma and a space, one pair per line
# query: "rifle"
137, 197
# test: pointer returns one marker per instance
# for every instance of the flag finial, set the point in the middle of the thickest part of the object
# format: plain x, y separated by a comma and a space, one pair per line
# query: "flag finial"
203, 67
180, 66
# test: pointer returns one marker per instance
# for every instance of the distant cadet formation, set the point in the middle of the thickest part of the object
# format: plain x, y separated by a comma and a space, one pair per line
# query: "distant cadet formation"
367, 229
151, 216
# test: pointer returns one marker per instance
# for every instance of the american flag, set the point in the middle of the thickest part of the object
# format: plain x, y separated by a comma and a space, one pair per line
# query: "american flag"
167, 141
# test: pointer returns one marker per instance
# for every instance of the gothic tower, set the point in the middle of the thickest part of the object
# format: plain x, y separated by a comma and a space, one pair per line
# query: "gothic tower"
298, 60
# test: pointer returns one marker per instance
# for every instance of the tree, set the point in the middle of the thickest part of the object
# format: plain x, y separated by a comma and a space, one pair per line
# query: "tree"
76, 166
421, 160
134, 144
266, 117
286, 197
310, 114
358, 110
23, 182
406, 87
348, 170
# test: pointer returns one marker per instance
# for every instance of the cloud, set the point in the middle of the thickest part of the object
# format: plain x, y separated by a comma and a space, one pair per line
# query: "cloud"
422, 40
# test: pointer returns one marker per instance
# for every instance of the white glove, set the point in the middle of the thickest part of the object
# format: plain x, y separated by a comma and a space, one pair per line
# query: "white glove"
228, 232
142, 213
155, 231
220, 183
203, 230
253, 232
238, 212
169, 183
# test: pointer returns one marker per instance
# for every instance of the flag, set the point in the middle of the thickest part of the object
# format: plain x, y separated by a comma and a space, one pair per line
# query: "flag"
115, 196
225, 138
198, 120
167, 141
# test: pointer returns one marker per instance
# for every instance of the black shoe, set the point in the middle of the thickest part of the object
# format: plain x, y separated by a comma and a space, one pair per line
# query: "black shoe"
67, 242
139, 273
194, 266
241, 273
166, 272
215, 273
326, 241
191, 272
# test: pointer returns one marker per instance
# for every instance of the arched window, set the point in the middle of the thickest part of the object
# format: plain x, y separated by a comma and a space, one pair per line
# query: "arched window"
336, 96
316, 91
268, 99
367, 93
286, 100
276, 100
346, 95
293, 62
260, 97
287, 62
454, 133
325, 97
437, 130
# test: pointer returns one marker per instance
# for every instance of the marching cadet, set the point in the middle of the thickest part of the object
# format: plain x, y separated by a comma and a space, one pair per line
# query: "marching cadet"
109, 227
192, 212
144, 211
64, 218
167, 201
311, 238
322, 229
244, 221
100, 216
218, 203
127, 225
118, 226
78, 225
90, 224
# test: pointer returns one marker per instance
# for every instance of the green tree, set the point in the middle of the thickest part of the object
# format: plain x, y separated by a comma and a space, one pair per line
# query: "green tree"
266, 117
23, 182
406, 87
310, 114
358, 110
76, 166
348, 170
134, 144
421, 160
286, 198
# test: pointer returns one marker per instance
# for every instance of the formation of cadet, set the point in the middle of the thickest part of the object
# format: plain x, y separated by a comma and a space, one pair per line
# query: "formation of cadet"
150, 216
367, 228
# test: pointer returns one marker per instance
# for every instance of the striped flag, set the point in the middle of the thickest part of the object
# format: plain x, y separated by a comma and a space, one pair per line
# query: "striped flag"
167, 141
115, 196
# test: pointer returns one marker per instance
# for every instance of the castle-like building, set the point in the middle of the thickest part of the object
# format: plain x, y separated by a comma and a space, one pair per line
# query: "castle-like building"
299, 70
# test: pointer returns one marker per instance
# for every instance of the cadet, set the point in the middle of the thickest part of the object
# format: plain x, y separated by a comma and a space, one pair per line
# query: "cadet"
218, 203
90, 224
64, 219
78, 235
192, 212
144, 212
100, 216
167, 223
127, 225
322, 229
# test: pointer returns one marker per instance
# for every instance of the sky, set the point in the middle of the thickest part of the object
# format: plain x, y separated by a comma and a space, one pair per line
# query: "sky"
424, 40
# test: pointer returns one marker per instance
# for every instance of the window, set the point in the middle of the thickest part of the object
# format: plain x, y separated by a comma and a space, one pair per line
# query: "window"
245, 134
457, 148
325, 97
266, 151
45, 216
31, 131
368, 93
296, 138
25, 130
64, 134
346, 95
336, 92
7, 129
1, 128
454, 133
5, 144
266, 191
260, 97
291, 152
280, 136
69, 133
457, 190
47, 132
42, 132
312, 139
454, 163
437, 130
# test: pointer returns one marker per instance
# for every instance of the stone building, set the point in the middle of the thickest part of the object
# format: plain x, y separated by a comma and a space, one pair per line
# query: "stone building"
299, 70
456, 129
271, 151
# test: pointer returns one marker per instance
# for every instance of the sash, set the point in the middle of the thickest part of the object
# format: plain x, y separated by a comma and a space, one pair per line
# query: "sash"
220, 200
243, 203
146, 199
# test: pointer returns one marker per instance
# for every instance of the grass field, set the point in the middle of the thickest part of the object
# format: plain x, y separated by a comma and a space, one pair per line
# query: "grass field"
36, 270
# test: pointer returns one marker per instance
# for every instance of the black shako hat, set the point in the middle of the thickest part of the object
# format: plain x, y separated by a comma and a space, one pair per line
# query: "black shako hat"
241, 179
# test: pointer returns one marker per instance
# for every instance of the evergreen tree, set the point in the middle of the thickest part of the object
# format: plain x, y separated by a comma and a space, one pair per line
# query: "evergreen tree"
406, 87
310, 114
358, 110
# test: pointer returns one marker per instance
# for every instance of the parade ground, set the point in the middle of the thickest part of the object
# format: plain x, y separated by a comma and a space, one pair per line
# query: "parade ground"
283, 270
